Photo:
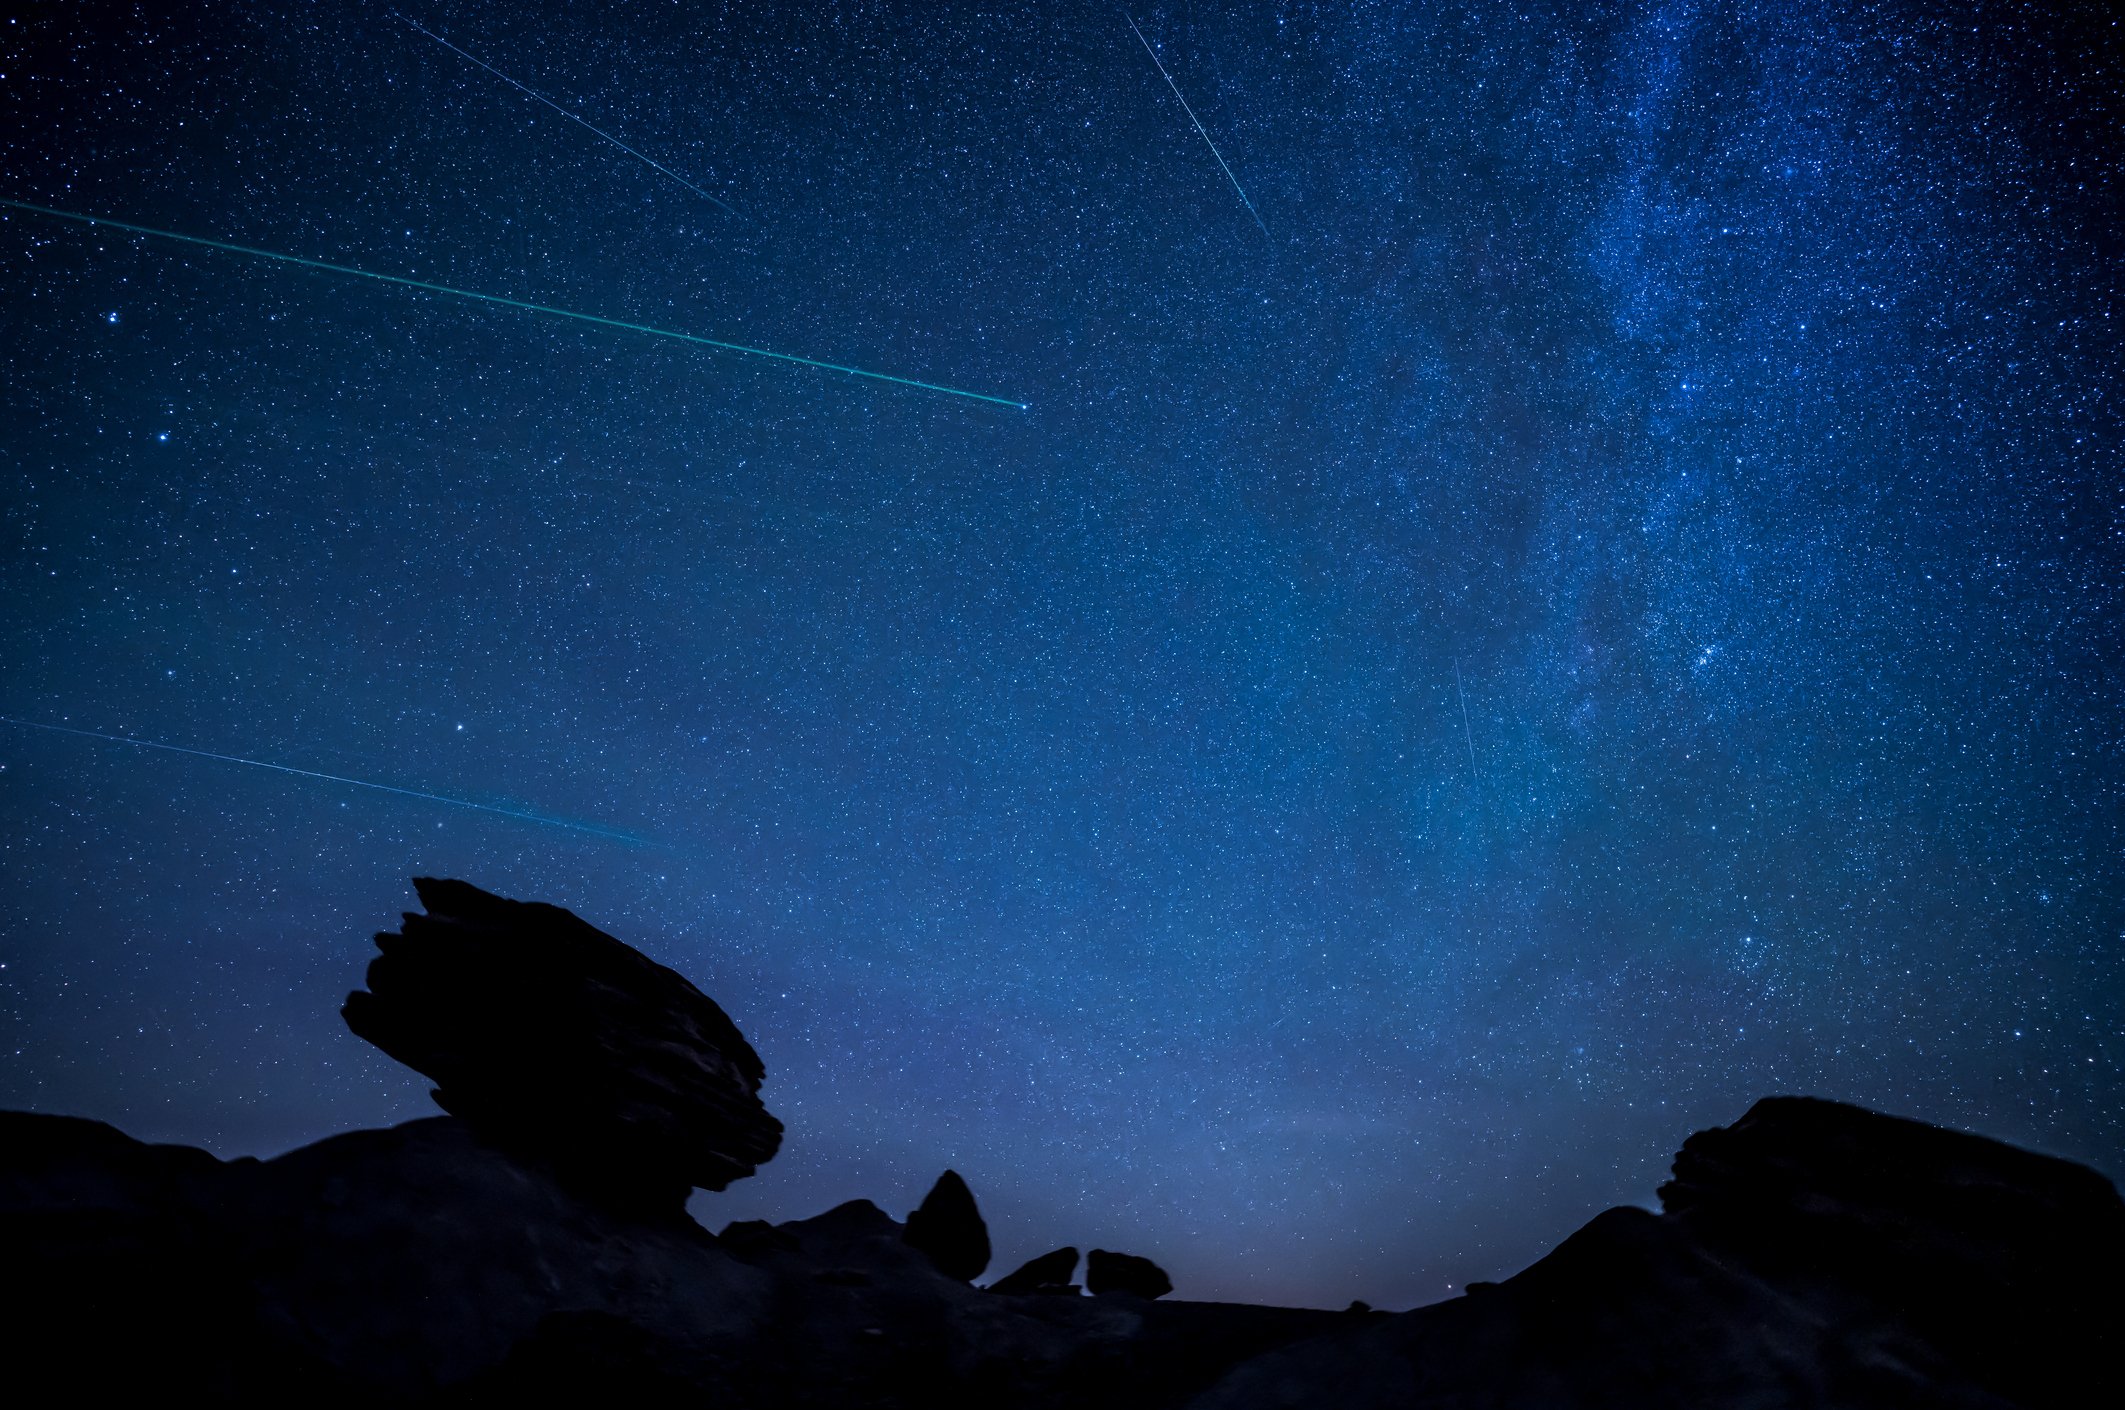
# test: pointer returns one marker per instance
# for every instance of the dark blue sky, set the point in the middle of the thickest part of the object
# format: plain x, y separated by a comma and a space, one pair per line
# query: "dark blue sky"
1611, 609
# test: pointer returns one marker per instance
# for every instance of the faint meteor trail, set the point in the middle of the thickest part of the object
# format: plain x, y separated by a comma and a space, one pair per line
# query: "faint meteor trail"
472, 58
507, 302
610, 833
1198, 125
1466, 732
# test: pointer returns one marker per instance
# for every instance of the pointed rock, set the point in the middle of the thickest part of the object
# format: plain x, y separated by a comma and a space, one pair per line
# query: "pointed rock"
949, 1228
1124, 1273
1050, 1270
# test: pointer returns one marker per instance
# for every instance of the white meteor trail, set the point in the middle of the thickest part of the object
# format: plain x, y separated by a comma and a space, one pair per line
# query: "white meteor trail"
613, 834
1222, 164
534, 93
1467, 732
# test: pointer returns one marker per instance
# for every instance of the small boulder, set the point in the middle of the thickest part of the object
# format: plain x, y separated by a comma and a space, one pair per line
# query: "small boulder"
553, 1039
1050, 1270
1124, 1273
949, 1228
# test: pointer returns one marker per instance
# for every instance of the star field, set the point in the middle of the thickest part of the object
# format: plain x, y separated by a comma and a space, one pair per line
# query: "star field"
1603, 605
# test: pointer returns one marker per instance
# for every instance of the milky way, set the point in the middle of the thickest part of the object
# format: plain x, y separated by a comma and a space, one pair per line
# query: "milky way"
1612, 610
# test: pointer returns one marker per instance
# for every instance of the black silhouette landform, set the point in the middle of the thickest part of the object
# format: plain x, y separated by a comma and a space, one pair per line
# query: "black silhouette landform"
533, 1247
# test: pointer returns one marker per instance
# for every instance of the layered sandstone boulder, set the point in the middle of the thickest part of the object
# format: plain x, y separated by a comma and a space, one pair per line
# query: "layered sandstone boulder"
550, 1037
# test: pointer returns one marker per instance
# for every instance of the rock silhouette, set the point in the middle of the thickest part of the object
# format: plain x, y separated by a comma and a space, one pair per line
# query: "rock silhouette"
949, 1228
1971, 1246
1809, 1255
1049, 1272
552, 1037
1124, 1273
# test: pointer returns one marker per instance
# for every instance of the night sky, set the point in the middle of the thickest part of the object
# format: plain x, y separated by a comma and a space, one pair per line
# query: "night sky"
1607, 603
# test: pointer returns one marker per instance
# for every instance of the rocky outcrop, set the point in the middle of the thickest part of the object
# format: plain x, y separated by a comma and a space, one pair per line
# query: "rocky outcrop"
2006, 1263
535, 1248
117, 1284
949, 1228
1810, 1255
1124, 1273
1051, 1272
421, 1266
553, 1038
373, 1266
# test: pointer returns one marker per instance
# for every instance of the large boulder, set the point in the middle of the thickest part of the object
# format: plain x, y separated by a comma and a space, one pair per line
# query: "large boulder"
1051, 1272
1107, 1272
948, 1226
1810, 1255
548, 1036
2004, 1260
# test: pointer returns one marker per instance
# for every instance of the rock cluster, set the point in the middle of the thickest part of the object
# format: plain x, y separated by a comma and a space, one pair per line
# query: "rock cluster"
550, 1037
949, 1228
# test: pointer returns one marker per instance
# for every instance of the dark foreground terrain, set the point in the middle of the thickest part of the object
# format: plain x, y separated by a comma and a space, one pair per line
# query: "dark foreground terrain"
1811, 1254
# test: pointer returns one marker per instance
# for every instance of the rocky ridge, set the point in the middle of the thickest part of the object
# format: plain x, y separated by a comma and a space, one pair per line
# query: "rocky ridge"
1811, 1254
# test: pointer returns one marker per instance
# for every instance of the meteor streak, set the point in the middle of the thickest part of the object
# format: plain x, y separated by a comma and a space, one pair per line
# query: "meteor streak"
727, 206
1198, 124
506, 302
1467, 732
613, 834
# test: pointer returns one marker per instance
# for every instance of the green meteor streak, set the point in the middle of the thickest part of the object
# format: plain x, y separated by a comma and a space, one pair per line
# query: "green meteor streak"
610, 833
474, 295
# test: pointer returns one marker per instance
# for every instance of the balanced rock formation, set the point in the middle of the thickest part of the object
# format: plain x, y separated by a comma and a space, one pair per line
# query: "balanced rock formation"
949, 1228
552, 1038
1051, 1272
1124, 1273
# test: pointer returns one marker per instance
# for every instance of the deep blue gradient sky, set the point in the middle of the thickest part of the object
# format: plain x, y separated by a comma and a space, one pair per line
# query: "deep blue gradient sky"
1612, 609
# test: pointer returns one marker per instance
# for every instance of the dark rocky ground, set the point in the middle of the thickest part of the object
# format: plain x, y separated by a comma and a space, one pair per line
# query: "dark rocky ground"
1811, 1254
